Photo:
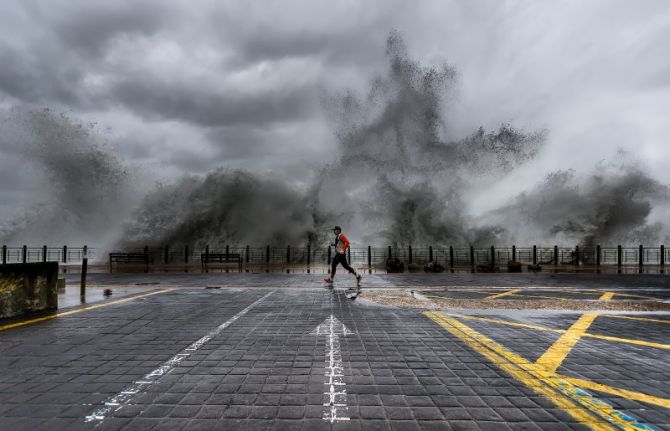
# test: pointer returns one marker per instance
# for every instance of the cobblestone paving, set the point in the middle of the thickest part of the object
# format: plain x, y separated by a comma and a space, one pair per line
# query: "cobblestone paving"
402, 369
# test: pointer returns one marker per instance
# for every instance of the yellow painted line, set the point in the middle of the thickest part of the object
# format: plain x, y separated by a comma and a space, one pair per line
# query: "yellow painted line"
623, 393
579, 404
628, 341
502, 295
79, 310
561, 331
643, 319
506, 322
606, 296
554, 356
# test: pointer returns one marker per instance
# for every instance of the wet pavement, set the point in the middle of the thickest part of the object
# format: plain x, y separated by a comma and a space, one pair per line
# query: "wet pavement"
277, 351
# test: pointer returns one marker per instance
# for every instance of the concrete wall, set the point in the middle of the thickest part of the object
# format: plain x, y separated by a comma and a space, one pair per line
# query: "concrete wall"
28, 287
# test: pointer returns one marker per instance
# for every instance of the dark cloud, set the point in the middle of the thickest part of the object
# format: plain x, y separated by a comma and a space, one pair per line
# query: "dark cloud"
209, 106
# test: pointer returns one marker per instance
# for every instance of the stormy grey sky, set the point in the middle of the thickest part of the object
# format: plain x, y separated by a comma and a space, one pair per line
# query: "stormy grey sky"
187, 86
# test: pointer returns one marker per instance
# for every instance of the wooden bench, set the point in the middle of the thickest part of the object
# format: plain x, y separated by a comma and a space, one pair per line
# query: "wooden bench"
130, 258
207, 258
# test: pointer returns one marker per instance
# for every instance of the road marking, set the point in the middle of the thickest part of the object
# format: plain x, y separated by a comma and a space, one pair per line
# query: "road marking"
623, 393
576, 402
554, 356
644, 319
501, 295
628, 341
119, 400
562, 331
506, 322
335, 408
80, 310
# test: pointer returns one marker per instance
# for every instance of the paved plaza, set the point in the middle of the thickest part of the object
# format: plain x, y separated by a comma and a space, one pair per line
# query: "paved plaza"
244, 351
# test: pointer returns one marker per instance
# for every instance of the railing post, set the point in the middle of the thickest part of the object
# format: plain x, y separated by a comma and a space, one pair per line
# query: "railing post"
514, 253
246, 256
619, 256
598, 255
430, 253
227, 251
24, 257
267, 255
166, 255
534, 255
64, 254
288, 254
662, 255
555, 255
577, 255
369, 258
493, 256
451, 257
472, 256
186, 258
44, 253
409, 250
207, 252
309, 254
84, 269
641, 255
4, 254
390, 252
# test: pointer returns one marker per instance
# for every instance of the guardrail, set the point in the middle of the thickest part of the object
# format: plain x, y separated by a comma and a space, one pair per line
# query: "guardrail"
369, 257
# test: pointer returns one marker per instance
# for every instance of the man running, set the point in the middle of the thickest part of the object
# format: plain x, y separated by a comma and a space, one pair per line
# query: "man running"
341, 245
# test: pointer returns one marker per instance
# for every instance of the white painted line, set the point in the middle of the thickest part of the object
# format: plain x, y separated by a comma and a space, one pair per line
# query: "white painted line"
119, 400
335, 407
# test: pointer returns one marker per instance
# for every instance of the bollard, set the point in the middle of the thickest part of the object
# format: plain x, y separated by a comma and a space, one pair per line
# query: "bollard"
84, 268
24, 257
534, 255
4, 254
619, 257
641, 255
598, 255
44, 253
409, 250
662, 255
64, 254
577, 255
370, 259
555, 255
514, 253
430, 253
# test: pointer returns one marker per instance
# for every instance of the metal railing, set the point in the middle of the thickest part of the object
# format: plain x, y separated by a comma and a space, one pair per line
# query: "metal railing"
363, 257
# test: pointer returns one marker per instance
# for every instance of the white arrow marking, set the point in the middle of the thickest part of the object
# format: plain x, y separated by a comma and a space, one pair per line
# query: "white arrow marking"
335, 399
